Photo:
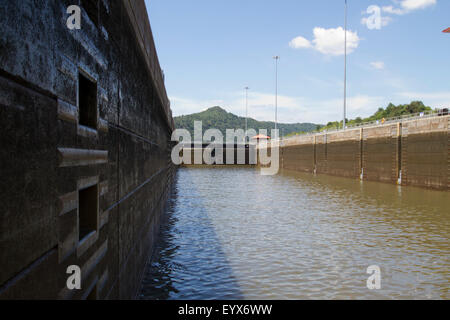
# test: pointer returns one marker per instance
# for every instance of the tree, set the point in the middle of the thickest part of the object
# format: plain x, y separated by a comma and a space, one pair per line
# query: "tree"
391, 111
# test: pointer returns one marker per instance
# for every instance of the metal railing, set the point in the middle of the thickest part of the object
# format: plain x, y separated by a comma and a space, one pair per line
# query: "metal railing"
403, 118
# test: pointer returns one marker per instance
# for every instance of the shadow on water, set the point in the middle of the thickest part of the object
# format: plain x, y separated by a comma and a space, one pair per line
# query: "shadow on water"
231, 233
188, 261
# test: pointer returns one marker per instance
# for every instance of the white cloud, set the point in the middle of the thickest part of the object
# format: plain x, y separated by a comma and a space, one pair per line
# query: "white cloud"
433, 99
291, 109
376, 21
300, 42
328, 41
417, 4
406, 6
357, 106
182, 106
392, 10
379, 65
331, 41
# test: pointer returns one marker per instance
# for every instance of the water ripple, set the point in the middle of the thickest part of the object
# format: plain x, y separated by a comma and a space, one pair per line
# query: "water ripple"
231, 233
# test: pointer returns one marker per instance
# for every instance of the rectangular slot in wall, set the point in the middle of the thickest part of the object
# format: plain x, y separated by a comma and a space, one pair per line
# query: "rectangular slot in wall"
87, 211
87, 100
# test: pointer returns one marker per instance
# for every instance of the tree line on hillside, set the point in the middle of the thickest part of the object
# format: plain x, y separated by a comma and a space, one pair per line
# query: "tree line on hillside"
218, 118
391, 111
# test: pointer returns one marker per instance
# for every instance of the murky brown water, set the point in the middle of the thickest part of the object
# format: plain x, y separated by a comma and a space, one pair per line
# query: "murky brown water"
232, 233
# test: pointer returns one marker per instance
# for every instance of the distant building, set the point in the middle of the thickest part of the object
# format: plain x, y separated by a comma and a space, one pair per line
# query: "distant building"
260, 137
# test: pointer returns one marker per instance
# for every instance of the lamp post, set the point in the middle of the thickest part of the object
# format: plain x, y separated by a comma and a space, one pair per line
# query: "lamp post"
246, 112
345, 68
276, 91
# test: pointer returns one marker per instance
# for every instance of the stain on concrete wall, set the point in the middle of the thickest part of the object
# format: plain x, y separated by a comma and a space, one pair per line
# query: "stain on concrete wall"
299, 154
381, 152
321, 147
85, 160
344, 153
210, 155
425, 152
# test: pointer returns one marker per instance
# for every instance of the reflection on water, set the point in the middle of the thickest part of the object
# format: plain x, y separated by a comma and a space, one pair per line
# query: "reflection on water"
232, 233
189, 262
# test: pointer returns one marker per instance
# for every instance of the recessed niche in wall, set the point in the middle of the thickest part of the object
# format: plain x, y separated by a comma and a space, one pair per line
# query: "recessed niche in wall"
87, 100
87, 211
91, 7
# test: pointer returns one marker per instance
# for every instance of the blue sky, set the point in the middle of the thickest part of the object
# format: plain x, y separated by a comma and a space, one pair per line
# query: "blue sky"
211, 49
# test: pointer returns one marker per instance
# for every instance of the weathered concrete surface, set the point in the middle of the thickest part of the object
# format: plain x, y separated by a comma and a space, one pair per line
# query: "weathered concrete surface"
425, 153
381, 153
299, 154
321, 148
416, 151
344, 153
48, 157
231, 155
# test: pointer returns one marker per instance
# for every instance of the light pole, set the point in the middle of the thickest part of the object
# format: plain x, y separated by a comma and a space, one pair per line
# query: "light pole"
276, 91
246, 112
345, 67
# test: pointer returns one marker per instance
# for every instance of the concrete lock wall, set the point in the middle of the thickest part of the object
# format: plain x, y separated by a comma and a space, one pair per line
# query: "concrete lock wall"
412, 153
85, 128
231, 155
425, 153
343, 156
298, 154
381, 153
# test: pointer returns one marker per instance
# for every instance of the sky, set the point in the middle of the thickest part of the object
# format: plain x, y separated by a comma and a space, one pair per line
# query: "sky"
210, 50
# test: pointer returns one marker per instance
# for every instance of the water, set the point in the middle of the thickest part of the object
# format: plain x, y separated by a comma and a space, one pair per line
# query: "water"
231, 233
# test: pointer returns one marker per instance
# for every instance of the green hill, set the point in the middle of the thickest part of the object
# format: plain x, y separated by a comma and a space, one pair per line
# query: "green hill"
218, 118
391, 111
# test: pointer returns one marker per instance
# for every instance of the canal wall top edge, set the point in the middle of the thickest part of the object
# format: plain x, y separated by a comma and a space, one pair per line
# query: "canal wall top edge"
415, 126
137, 12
